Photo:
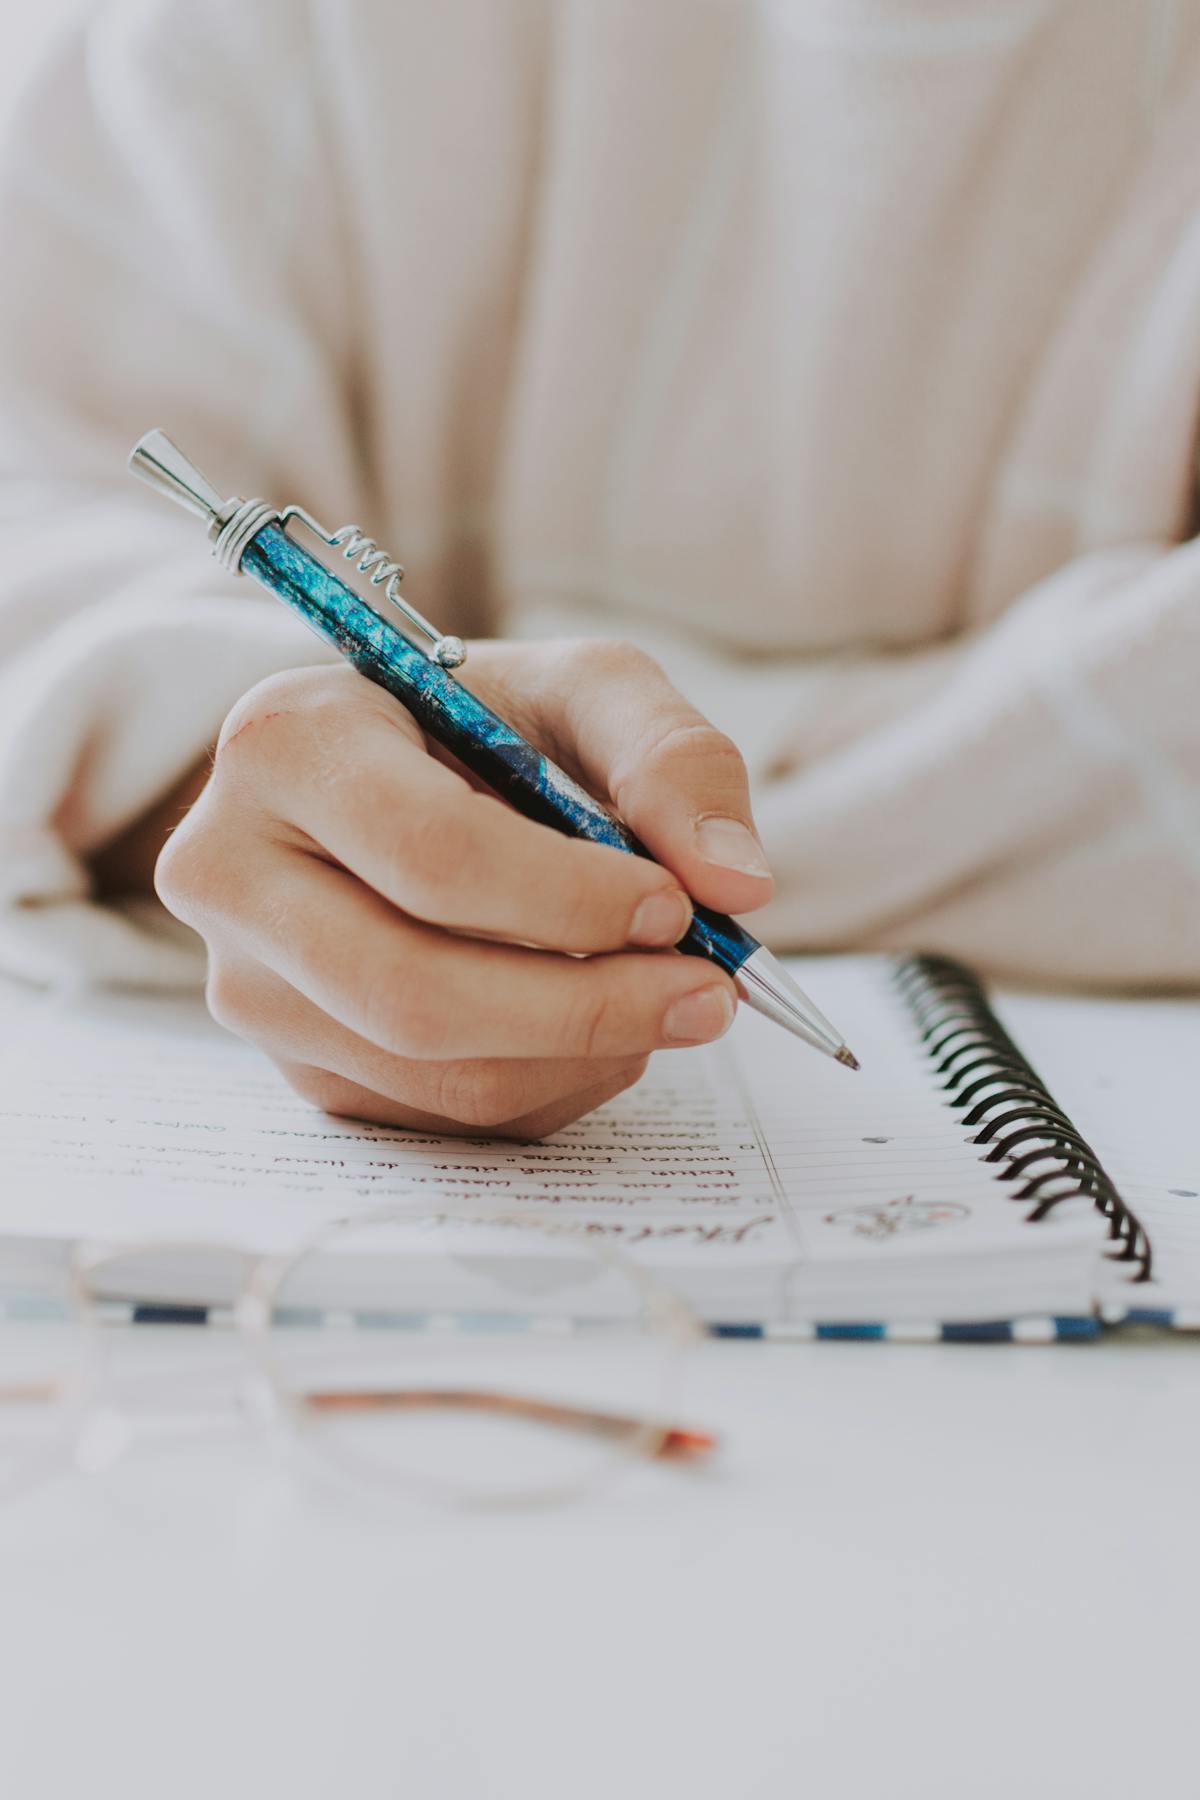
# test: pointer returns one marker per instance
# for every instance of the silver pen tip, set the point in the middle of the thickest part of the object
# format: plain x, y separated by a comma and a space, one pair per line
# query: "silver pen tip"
766, 985
847, 1056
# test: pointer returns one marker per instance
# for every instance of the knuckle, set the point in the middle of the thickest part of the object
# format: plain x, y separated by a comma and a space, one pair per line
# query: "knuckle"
541, 1124
402, 1016
170, 872
657, 753
552, 1117
591, 914
610, 656
598, 1019
262, 706
687, 739
425, 851
325, 701
477, 1095
185, 869
225, 994
320, 1087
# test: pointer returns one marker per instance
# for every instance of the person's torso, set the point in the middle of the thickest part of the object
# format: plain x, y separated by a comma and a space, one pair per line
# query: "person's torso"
722, 313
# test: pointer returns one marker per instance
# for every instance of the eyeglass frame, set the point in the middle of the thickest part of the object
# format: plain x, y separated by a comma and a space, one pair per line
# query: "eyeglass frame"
252, 1311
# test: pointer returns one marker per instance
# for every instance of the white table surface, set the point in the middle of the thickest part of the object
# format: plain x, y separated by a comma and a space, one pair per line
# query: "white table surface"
919, 1570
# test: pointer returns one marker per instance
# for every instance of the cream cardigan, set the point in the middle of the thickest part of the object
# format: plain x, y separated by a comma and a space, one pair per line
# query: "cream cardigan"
845, 352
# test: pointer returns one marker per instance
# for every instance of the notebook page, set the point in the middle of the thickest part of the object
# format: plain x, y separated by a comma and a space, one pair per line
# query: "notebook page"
137, 1117
878, 1161
1126, 1073
133, 1118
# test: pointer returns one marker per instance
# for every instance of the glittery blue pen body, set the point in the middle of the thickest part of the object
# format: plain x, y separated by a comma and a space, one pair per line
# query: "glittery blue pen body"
453, 716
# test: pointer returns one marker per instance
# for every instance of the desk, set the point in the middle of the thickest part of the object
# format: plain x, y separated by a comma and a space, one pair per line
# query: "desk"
921, 1571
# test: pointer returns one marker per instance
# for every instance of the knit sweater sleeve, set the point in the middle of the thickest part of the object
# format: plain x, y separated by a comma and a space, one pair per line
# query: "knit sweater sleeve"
1036, 810
170, 237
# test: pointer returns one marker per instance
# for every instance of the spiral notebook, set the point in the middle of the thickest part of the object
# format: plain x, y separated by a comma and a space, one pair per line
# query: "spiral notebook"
1018, 1168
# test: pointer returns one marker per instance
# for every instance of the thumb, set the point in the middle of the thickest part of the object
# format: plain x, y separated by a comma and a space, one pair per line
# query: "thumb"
608, 713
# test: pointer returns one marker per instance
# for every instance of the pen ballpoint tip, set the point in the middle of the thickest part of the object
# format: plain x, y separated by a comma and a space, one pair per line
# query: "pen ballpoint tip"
764, 984
847, 1056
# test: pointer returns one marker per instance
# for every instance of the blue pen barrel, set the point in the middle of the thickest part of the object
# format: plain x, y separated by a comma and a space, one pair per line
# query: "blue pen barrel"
460, 721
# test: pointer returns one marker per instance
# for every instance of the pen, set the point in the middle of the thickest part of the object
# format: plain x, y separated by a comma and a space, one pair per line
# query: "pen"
250, 537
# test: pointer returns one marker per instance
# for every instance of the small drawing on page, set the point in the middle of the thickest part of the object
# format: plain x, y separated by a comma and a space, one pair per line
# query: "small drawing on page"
896, 1217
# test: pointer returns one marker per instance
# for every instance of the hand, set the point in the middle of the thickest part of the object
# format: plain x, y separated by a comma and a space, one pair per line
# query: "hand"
407, 948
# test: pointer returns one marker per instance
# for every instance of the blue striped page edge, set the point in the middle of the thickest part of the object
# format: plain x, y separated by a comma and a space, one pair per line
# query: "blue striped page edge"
1050, 1330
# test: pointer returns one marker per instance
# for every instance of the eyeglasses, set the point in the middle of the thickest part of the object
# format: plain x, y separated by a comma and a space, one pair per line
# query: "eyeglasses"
461, 1355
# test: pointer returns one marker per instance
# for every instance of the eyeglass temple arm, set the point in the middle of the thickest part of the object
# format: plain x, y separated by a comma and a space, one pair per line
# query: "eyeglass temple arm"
672, 1440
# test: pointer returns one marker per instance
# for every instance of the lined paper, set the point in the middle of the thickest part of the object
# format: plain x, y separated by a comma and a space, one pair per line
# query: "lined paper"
757, 1172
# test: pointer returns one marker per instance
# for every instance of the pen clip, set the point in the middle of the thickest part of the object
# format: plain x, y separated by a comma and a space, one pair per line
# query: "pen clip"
381, 571
233, 524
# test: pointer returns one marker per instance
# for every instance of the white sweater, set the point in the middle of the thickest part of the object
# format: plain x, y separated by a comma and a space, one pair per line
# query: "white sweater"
845, 352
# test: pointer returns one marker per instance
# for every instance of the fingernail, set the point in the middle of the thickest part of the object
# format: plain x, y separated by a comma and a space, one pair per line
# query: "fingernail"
661, 918
732, 845
700, 1017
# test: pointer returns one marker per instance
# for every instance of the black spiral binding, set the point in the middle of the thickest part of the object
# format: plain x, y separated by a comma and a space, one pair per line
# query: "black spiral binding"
990, 1082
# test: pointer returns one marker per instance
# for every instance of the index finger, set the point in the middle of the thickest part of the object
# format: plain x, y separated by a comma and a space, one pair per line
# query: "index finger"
362, 792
